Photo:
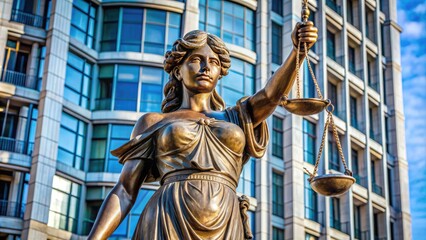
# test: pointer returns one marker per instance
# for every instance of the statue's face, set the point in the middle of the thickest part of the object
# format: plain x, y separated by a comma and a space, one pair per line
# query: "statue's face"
201, 70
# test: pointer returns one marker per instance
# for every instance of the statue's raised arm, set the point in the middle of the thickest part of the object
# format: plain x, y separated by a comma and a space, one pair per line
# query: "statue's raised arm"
264, 102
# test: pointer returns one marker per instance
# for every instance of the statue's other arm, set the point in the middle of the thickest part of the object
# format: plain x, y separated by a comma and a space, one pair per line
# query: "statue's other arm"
120, 200
264, 102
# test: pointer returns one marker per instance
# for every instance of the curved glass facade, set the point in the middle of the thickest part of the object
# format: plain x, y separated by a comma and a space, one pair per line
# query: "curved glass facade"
139, 30
107, 137
130, 88
230, 21
238, 83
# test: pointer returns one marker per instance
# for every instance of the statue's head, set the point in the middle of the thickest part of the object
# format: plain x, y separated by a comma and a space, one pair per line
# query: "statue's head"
182, 49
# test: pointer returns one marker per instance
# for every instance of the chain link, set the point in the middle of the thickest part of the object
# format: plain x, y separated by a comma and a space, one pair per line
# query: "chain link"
324, 134
339, 147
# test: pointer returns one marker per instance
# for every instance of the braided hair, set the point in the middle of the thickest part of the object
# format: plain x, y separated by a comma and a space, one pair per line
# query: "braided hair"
181, 49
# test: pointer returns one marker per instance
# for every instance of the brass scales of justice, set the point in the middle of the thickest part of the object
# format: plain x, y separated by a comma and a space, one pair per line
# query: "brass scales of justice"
327, 184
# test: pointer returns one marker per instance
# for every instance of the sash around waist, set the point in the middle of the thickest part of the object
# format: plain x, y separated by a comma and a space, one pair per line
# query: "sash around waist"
196, 175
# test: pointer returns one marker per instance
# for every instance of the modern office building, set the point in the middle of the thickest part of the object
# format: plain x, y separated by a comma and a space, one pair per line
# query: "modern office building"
77, 74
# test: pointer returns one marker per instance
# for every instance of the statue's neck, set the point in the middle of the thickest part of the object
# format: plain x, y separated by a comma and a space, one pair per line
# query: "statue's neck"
199, 102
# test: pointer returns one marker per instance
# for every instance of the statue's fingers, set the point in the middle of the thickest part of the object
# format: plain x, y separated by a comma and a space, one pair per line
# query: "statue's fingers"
308, 34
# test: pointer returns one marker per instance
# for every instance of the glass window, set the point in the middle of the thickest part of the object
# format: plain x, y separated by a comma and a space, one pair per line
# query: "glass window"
332, 95
277, 194
277, 7
277, 137
78, 78
309, 139
277, 233
351, 58
131, 88
126, 89
310, 237
311, 201
110, 29
151, 90
333, 154
331, 45
349, 10
354, 112
355, 167
72, 141
135, 29
357, 221
238, 83
131, 29
230, 21
41, 57
106, 138
246, 184
64, 204
277, 45
308, 82
335, 213
83, 21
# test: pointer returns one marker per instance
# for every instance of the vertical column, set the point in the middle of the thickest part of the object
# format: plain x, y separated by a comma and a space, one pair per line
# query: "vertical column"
263, 176
397, 130
294, 204
190, 16
32, 67
6, 9
3, 41
50, 109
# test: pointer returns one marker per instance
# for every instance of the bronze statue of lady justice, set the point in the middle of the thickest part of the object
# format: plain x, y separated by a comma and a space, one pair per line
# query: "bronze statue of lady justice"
196, 148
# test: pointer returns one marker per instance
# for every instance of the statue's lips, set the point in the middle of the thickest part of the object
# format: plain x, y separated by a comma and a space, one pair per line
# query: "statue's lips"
203, 78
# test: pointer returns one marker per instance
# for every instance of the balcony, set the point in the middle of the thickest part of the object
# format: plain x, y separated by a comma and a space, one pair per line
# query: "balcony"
377, 189
12, 209
27, 18
333, 5
16, 146
16, 78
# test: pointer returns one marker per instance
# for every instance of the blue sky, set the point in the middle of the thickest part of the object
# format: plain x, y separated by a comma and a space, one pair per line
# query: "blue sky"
412, 18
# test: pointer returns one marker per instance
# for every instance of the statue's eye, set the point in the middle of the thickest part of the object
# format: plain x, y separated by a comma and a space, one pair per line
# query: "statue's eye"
195, 59
215, 61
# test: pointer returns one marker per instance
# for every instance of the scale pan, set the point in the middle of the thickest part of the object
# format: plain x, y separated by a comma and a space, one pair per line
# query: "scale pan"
305, 106
332, 184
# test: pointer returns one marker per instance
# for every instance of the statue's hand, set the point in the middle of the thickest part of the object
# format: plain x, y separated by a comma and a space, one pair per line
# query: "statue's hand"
305, 33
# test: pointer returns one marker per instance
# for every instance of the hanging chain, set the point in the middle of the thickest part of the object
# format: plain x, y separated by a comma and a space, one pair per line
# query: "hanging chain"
339, 147
305, 16
298, 70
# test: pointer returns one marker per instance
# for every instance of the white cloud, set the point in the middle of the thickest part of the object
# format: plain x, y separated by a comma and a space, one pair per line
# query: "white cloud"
421, 8
413, 29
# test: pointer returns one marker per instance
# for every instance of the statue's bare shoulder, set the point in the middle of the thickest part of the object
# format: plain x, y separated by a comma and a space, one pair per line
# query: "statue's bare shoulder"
145, 122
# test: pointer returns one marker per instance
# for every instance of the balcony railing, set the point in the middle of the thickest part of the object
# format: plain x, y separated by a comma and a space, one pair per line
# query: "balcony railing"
16, 78
12, 209
103, 104
17, 146
332, 4
27, 18
377, 189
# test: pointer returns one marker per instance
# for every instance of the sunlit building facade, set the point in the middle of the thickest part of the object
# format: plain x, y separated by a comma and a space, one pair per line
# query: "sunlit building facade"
77, 74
